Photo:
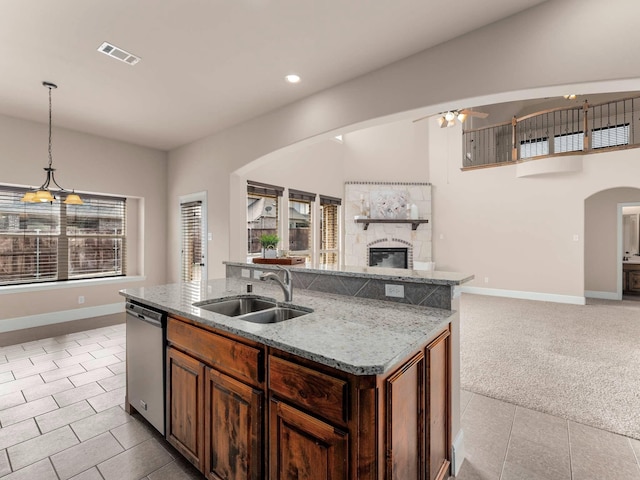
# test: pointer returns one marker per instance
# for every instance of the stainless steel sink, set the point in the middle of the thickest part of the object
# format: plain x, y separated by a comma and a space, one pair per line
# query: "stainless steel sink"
234, 307
274, 315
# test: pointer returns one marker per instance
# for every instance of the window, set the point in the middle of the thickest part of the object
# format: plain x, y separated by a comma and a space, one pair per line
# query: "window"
329, 233
300, 226
569, 142
610, 136
534, 148
262, 214
42, 242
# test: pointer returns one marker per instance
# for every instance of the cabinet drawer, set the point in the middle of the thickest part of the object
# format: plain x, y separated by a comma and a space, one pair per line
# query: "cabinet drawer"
316, 391
229, 356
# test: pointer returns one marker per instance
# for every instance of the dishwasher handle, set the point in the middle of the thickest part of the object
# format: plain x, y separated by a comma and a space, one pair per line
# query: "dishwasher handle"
144, 314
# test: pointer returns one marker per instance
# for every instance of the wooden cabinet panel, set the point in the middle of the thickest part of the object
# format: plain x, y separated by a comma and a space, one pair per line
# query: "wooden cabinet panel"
185, 395
316, 391
233, 432
634, 281
235, 358
303, 447
438, 398
404, 391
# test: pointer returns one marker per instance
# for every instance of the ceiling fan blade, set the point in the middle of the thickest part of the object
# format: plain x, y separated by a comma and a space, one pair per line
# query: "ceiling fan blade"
421, 118
473, 113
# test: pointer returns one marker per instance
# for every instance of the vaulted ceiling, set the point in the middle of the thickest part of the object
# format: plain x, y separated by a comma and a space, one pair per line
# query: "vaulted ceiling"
206, 64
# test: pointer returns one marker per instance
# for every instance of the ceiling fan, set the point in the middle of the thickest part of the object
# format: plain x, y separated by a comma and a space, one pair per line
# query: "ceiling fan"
448, 118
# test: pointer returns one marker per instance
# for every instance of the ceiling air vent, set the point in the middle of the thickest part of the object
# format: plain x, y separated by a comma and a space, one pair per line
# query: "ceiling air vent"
118, 53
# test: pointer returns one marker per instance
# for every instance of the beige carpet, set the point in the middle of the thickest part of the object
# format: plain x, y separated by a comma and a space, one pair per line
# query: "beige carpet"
578, 362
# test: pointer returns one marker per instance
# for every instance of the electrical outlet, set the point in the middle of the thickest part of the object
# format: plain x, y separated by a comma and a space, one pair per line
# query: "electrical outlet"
246, 273
209, 236
576, 237
257, 274
394, 290
80, 299
486, 279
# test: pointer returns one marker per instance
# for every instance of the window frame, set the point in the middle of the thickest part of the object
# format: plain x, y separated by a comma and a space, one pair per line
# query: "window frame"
10, 199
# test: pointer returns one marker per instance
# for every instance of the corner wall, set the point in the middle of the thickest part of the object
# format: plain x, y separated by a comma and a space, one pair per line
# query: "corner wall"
95, 165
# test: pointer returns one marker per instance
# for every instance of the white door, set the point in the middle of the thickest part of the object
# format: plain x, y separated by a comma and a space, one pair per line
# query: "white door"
193, 254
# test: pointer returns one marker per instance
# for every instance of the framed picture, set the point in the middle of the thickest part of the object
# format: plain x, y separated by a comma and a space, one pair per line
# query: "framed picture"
388, 204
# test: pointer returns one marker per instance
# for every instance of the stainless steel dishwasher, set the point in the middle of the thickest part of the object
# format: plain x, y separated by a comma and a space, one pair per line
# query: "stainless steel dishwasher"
145, 362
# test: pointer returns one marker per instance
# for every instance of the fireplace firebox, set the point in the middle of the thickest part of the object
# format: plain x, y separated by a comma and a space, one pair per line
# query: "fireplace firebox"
388, 257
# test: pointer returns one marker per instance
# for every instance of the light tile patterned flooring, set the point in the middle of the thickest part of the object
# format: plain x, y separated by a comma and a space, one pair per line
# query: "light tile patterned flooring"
507, 442
61, 417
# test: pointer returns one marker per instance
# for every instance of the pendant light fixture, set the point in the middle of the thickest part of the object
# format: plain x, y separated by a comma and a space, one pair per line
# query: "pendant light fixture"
46, 192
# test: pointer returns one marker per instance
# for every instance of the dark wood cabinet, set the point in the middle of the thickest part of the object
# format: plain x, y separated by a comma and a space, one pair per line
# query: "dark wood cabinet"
226, 439
233, 430
185, 409
305, 447
239, 410
438, 400
631, 278
404, 419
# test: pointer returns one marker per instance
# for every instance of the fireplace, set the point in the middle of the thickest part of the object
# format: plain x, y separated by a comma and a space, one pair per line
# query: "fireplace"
388, 257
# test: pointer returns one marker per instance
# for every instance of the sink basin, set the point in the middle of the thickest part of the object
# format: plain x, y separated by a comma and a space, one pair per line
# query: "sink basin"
274, 315
234, 307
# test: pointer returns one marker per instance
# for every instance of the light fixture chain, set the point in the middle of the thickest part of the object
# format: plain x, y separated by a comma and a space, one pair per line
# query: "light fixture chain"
50, 121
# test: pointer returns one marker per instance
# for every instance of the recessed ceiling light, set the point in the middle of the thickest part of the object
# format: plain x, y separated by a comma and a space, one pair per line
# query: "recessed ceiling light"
292, 78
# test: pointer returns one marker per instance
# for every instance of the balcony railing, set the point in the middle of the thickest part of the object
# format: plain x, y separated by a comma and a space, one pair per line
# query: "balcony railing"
560, 131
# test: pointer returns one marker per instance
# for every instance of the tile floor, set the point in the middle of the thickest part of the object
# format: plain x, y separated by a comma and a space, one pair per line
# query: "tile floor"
61, 417
507, 442
61, 414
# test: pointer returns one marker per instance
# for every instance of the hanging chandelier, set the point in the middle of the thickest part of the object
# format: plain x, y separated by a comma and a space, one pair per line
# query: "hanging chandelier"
47, 191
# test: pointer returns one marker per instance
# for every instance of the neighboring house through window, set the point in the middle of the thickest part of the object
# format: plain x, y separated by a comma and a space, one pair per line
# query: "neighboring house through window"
42, 242
262, 214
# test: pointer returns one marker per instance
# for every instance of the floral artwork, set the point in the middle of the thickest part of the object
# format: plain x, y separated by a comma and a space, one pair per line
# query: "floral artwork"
389, 204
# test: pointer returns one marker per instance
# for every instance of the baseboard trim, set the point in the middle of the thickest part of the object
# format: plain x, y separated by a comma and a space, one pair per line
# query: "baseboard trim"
19, 323
457, 453
601, 295
543, 297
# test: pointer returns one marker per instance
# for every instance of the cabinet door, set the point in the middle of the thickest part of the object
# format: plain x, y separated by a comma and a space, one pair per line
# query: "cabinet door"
634, 281
233, 431
303, 447
185, 409
438, 398
404, 442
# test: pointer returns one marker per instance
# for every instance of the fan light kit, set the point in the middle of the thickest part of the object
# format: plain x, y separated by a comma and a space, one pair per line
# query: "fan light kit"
448, 119
46, 192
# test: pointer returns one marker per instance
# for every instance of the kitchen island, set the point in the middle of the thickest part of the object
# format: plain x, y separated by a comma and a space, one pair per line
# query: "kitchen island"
357, 389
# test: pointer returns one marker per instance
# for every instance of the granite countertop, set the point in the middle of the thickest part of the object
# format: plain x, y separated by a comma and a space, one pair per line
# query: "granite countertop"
359, 336
435, 277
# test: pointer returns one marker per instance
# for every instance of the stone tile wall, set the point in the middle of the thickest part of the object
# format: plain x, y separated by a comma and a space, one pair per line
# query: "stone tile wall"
426, 295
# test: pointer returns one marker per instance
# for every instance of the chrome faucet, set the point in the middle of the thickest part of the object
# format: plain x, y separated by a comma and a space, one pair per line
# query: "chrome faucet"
287, 285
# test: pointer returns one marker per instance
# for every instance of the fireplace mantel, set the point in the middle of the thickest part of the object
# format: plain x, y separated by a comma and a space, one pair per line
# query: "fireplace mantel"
414, 222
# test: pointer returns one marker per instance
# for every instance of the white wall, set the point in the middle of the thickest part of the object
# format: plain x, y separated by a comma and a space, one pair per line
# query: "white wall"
94, 165
421, 83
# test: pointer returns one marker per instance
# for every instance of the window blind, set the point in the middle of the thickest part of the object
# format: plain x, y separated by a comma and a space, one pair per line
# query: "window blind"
327, 200
52, 241
191, 225
610, 136
300, 195
264, 189
96, 237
